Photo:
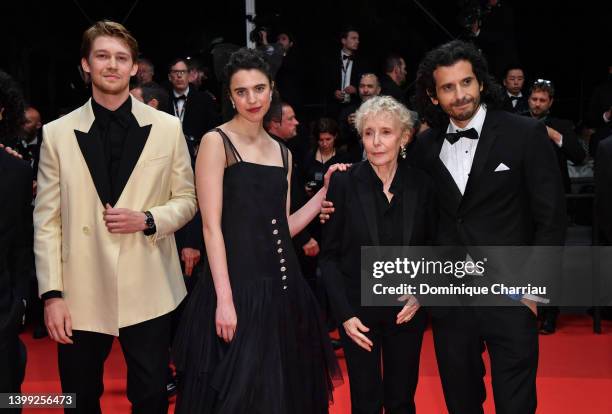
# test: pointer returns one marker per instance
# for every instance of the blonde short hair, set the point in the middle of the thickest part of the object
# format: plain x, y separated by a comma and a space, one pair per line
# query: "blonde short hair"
383, 105
110, 29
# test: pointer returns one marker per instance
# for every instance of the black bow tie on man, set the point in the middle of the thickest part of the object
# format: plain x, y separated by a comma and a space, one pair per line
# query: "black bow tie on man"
180, 98
347, 57
453, 137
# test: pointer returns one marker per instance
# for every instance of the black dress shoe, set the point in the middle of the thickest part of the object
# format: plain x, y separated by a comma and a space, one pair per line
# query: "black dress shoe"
39, 332
548, 326
336, 344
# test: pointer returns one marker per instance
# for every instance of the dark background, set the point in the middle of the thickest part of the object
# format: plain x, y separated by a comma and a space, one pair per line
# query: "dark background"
566, 42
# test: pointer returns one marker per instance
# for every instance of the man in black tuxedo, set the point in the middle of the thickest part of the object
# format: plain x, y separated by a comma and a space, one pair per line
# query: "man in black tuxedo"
342, 73
514, 101
195, 109
198, 115
498, 184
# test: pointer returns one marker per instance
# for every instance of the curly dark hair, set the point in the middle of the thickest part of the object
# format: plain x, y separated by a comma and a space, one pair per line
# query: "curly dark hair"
447, 55
248, 59
11, 100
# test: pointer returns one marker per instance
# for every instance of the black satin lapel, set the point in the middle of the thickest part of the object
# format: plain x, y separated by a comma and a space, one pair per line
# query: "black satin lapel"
443, 174
485, 143
134, 143
366, 198
93, 153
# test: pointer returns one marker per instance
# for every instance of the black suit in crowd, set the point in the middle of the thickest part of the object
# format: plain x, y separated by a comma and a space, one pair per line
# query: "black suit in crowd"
570, 147
523, 205
15, 265
364, 217
521, 107
332, 78
200, 115
390, 88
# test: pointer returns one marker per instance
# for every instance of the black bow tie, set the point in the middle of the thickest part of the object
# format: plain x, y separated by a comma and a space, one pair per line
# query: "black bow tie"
453, 137
180, 98
515, 98
347, 57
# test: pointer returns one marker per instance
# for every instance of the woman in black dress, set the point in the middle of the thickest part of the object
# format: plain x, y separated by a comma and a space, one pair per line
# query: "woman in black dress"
381, 201
251, 339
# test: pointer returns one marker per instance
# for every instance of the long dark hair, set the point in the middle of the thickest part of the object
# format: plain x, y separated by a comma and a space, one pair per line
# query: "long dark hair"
447, 55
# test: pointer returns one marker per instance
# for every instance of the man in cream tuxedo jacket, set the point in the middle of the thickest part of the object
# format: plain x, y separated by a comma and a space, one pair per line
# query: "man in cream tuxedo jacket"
114, 184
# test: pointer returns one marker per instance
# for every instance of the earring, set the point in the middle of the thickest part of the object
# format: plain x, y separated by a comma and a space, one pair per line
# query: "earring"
233, 104
403, 152
270, 95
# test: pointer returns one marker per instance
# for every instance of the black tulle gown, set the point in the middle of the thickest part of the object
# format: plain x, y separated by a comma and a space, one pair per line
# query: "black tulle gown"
280, 360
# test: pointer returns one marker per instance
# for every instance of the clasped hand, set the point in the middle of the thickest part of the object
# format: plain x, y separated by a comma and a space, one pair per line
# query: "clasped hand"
123, 220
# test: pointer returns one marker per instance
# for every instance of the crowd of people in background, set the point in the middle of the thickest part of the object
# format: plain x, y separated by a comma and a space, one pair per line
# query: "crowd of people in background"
330, 134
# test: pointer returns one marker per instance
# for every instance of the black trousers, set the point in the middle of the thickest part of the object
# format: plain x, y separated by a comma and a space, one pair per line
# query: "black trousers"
145, 348
396, 353
510, 335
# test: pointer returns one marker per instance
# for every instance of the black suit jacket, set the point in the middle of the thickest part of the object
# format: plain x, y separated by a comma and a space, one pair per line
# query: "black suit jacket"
524, 205
521, 206
521, 108
200, 114
15, 240
333, 77
390, 88
570, 148
603, 191
354, 225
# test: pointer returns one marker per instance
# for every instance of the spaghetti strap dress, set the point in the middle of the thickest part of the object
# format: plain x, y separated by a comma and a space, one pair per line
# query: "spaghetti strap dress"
280, 360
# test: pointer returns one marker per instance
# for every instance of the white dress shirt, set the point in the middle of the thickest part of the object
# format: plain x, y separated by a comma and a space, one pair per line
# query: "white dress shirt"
347, 69
178, 105
458, 157
514, 101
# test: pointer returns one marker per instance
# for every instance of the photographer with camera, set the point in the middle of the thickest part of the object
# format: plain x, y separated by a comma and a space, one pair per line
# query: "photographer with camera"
272, 52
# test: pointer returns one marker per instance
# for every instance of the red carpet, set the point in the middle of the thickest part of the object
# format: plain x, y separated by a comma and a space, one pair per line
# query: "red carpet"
574, 377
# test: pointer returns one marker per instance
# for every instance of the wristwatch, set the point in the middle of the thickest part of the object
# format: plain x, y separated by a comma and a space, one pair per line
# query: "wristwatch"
150, 223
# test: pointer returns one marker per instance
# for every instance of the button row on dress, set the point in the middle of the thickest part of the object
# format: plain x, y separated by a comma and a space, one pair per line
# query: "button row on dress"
280, 251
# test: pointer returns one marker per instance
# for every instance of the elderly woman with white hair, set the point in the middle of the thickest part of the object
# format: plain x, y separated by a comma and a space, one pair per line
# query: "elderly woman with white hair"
380, 201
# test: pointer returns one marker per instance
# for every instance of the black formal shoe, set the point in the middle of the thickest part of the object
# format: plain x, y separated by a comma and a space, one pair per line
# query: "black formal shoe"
548, 326
39, 332
336, 344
